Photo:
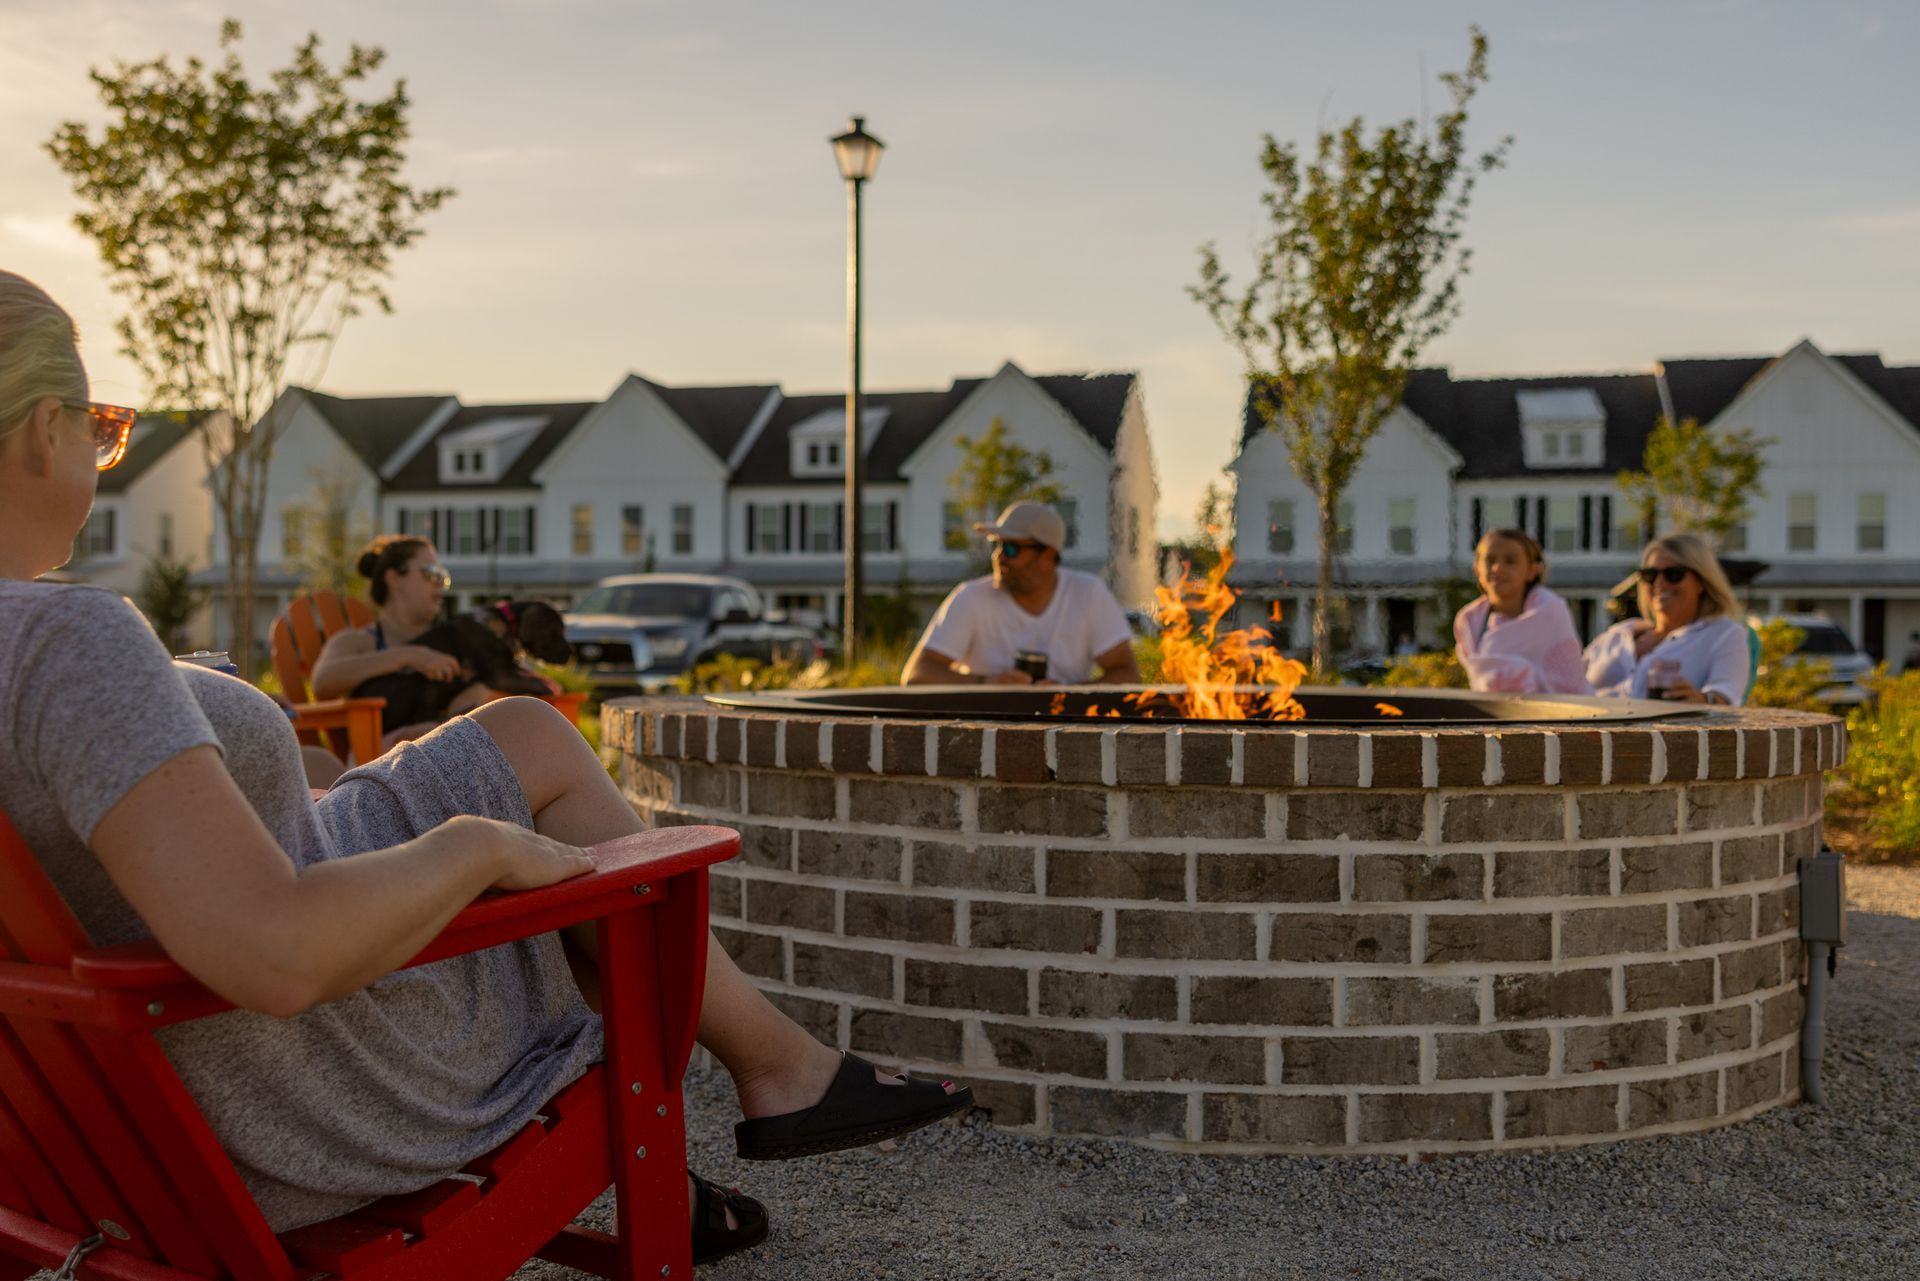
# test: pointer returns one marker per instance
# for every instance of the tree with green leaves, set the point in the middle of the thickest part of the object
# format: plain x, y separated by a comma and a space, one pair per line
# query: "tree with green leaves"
325, 533
169, 599
995, 471
1695, 480
244, 224
1213, 525
1356, 272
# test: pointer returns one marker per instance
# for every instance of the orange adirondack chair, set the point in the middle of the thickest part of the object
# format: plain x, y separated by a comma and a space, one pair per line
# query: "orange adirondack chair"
296, 640
342, 725
104, 1153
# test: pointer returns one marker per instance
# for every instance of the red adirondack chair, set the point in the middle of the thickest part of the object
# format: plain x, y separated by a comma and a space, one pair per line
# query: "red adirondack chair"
101, 1145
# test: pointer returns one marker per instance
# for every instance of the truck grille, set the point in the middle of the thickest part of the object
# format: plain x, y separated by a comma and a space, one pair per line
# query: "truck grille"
604, 653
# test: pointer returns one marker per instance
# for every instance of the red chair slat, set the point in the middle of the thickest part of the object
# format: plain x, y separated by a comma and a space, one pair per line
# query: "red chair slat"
45, 1194
427, 1211
342, 1246
581, 1094
584, 1250
78, 1168
499, 1163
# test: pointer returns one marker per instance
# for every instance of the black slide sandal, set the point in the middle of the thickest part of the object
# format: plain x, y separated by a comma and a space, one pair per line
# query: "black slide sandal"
712, 1238
856, 1110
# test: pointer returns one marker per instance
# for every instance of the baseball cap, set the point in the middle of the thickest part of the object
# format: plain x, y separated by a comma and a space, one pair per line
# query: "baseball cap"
1029, 520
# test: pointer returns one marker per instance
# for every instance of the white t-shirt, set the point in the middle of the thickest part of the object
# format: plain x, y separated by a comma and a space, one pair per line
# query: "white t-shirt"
980, 627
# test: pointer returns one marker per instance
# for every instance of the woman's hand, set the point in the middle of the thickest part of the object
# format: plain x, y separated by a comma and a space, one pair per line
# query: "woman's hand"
430, 663
1680, 690
526, 860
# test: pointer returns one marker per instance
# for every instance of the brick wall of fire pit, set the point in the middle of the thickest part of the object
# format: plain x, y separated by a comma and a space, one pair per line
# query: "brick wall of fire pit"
1271, 939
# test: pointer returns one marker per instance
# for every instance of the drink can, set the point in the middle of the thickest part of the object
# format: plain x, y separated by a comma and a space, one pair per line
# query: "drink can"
216, 659
1031, 661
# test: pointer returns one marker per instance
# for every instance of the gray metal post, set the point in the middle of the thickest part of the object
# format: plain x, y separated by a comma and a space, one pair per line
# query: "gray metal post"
850, 605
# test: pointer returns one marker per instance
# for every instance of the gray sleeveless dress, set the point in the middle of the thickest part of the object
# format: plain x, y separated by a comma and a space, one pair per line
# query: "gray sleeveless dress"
380, 1092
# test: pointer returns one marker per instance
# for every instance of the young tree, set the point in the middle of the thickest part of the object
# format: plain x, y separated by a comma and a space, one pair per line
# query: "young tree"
243, 223
169, 599
1213, 523
993, 472
1358, 270
1696, 480
325, 532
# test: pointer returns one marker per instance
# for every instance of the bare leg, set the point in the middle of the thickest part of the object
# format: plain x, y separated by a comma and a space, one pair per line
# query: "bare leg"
776, 1066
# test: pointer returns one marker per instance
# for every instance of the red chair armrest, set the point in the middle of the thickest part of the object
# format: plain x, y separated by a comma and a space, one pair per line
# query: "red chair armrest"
625, 865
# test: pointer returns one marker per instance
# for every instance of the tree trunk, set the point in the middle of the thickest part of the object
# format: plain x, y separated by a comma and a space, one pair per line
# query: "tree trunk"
240, 578
1323, 592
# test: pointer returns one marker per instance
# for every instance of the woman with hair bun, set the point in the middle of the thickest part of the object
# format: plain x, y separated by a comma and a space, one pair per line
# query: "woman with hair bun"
405, 579
1518, 637
1689, 644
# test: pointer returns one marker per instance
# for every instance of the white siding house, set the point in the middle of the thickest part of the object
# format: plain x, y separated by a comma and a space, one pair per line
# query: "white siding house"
1837, 530
541, 500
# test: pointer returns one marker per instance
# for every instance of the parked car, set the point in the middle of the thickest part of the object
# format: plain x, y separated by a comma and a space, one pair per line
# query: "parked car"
642, 631
1827, 640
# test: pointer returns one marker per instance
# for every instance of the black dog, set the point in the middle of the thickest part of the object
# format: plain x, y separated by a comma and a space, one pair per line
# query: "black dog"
486, 642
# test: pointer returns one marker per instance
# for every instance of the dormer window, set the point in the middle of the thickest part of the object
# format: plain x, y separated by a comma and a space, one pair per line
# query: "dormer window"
1561, 427
818, 441
481, 451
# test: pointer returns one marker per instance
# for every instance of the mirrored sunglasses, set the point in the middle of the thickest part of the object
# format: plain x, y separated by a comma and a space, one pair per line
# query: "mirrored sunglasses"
1011, 548
436, 574
112, 424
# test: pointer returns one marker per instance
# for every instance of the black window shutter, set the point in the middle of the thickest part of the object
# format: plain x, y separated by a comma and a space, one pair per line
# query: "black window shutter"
1586, 522
786, 527
531, 524
893, 526
753, 512
1606, 522
1540, 520
1479, 520
840, 526
1520, 512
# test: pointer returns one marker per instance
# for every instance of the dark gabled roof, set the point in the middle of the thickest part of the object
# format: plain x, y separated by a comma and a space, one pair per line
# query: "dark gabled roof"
422, 471
374, 426
719, 416
158, 434
1095, 401
912, 416
1898, 386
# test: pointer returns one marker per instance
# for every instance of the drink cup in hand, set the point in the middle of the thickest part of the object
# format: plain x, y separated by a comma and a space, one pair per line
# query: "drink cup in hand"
1661, 675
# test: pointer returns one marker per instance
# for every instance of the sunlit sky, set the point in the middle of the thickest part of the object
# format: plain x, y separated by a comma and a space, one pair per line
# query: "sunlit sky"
646, 185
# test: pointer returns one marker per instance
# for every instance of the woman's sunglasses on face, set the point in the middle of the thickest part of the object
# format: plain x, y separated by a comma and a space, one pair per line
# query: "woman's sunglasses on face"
1672, 573
435, 574
112, 424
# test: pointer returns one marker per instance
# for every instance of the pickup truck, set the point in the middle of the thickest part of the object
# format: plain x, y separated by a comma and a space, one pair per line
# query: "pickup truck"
642, 631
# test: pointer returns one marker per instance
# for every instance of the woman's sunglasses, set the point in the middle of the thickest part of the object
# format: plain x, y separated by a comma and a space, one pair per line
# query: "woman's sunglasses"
435, 574
1672, 573
112, 424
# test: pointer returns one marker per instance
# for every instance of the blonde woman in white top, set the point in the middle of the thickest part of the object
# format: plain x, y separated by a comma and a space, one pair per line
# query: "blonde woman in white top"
1689, 644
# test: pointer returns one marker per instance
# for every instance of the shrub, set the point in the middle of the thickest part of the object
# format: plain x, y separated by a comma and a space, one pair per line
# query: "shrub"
1883, 760
879, 665
1782, 680
1436, 670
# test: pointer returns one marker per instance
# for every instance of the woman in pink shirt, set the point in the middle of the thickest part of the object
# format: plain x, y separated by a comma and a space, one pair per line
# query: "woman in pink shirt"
1518, 638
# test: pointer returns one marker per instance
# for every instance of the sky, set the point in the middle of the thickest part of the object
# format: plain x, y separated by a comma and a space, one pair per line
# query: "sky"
646, 185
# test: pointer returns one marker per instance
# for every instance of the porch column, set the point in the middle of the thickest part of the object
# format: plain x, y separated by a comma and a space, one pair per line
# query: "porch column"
1857, 619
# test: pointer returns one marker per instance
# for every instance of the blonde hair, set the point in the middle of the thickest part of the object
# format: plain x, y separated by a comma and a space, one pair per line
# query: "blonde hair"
39, 351
1691, 550
1529, 547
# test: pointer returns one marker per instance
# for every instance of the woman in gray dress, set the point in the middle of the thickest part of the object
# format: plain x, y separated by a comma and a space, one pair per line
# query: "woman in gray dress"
164, 799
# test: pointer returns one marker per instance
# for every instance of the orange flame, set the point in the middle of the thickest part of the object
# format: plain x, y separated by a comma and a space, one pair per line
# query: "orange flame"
1220, 674
1388, 709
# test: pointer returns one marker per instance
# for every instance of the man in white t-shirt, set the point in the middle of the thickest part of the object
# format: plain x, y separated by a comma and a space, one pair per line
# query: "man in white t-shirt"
1029, 604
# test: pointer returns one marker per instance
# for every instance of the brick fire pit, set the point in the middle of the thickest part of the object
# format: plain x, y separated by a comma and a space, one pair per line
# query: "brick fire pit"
1272, 939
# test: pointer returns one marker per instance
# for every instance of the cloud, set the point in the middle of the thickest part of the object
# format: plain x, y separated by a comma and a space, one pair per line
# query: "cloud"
47, 234
1886, 222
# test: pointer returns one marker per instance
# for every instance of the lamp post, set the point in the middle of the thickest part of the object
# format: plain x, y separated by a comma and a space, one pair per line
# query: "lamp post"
858, 154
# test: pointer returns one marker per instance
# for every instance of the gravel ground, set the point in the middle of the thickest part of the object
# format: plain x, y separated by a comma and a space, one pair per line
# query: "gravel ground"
1794, 1193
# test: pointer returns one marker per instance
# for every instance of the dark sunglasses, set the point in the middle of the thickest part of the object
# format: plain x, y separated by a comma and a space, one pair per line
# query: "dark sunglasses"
1672, 573
1010, 549
112, 424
